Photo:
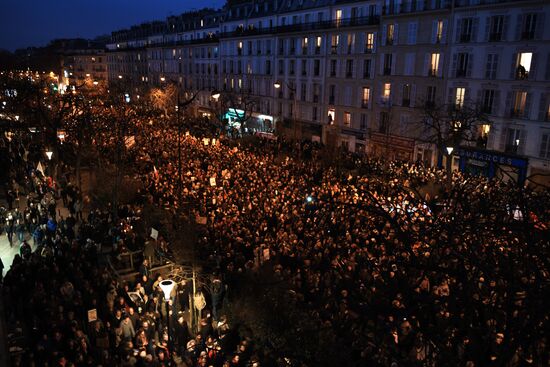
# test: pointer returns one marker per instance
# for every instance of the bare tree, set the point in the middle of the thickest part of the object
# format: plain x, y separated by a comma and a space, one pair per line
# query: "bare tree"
450, 125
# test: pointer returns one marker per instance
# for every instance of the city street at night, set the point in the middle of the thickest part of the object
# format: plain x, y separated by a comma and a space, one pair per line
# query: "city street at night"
275, 183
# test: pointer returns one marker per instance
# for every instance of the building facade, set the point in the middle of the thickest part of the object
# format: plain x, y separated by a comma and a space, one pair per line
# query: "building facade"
359, 74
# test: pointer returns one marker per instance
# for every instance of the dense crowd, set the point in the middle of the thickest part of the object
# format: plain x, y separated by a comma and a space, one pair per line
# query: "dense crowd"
63, 303
456, 275
406, 266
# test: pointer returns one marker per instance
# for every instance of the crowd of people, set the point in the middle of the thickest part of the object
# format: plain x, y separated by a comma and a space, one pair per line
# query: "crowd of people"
401, 273
64, 304
405, 266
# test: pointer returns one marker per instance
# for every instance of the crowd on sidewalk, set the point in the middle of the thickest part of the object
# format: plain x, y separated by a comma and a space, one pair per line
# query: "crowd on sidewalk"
65, 305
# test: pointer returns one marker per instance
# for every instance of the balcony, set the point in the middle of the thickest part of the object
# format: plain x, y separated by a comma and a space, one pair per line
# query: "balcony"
432, 72
415, 6
487, 109
518, 113
495, 37
369, 49
528, 35
461, 73
312, 26
465, 38
521, 74
365, 103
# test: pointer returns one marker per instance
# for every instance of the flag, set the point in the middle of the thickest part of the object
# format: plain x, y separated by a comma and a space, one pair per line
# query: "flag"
40, 169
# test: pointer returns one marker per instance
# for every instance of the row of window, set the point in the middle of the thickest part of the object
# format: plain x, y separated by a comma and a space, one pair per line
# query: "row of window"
529, 26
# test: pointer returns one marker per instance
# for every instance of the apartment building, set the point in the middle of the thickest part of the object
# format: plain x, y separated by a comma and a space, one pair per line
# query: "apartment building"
500, 59
81, 66
359, 74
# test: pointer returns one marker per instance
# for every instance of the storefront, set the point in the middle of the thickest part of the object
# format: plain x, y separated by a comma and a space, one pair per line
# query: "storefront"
391, 146
493, 164
256, 122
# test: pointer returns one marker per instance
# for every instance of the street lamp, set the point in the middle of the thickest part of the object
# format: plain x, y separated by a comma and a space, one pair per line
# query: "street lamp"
162, 79
49, 154
216, 95
450, 150
167, 286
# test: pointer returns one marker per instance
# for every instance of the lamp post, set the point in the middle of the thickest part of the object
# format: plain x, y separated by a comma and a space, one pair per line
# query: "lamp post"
167, 286
49, 154
215, 95
278, 85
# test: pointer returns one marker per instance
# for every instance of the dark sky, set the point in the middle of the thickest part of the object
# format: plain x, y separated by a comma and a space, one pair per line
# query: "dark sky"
35, 22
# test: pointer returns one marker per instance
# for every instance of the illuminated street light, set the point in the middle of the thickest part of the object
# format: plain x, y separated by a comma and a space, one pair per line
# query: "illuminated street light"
120, 76
167, 286
49, 154
162, 79
277, 85
450, 150
16, 117
95, 82
216, 95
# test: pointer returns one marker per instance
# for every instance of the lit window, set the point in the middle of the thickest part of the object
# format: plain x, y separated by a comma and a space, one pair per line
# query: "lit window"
366, 97
390, 34
523, 65
347, 118
434, 65
439, 31
335, 40
459, 97
519, 104
369, 46
331, 116
387, 91
338, 17
318, 42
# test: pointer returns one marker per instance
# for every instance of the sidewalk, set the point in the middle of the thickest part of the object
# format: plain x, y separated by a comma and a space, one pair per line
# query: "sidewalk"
7, 253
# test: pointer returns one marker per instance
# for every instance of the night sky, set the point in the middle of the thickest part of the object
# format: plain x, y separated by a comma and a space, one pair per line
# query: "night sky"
35, 22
